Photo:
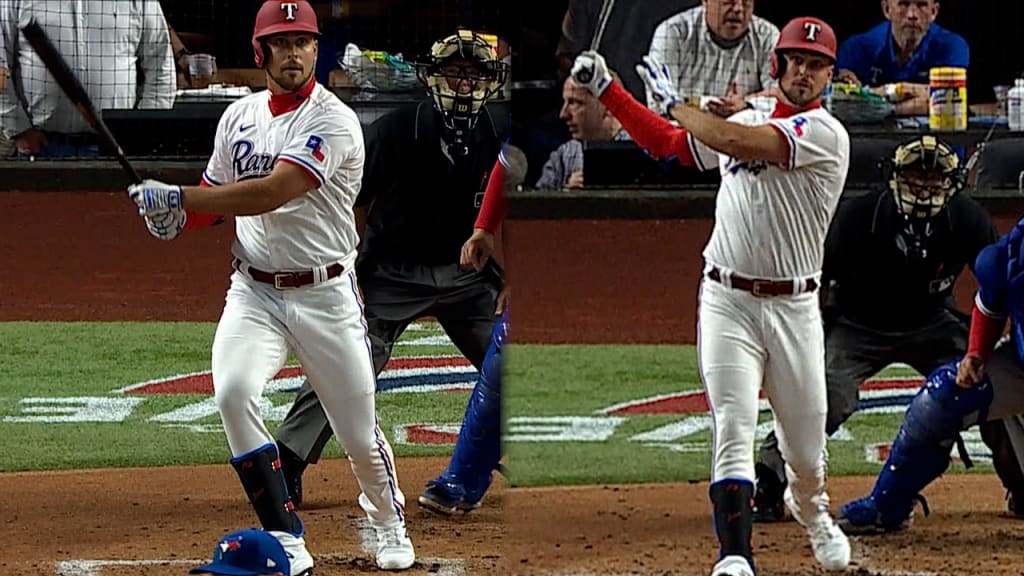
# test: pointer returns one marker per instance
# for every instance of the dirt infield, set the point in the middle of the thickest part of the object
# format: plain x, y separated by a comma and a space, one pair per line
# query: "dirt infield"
86, 256
666, 529
56, 522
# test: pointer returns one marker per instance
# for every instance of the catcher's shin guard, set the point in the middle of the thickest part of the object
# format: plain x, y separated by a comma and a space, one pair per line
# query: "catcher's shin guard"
920, 452
734, 517
260, 473
478, 449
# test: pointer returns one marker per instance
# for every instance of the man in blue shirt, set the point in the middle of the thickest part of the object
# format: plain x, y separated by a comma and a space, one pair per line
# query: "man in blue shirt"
902, 50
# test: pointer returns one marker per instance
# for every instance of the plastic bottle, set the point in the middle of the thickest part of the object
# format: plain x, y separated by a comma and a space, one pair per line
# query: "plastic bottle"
1015, 106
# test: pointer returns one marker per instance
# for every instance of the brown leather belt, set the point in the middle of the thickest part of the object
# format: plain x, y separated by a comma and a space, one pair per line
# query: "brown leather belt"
286, 280
763, 288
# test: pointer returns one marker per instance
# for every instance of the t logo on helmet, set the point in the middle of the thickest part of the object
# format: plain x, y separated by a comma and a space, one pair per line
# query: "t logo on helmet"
812, 30
290, 8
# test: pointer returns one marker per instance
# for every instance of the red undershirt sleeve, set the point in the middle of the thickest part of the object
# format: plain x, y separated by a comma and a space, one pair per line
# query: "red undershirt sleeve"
650, 131
494, 206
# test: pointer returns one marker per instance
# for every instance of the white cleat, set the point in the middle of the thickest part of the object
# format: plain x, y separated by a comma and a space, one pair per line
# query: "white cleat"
732, 566
830, 545
394, 549
295, 549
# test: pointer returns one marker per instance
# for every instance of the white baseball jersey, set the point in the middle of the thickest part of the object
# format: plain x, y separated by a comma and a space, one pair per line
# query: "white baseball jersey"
324, 137
770, 220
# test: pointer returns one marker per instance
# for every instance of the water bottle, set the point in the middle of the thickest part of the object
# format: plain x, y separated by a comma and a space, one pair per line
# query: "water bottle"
1015, 106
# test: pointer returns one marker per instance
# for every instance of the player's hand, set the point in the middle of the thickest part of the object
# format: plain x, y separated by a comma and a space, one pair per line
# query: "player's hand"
591, 72
575, 180
166, 226
504, 297
660, 84
477, 250
970, 371
155, 198
728, 105
30, 142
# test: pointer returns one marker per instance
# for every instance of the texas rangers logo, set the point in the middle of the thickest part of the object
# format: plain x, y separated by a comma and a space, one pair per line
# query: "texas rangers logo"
812, 30
798, 125
755, 167
289, 8
314, 143
250, 164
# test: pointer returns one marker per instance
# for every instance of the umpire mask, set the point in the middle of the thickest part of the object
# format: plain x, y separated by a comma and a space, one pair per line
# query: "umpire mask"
925, 175
461, 73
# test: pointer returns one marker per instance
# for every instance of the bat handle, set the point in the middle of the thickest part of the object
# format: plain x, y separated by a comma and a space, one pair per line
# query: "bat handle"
129, 169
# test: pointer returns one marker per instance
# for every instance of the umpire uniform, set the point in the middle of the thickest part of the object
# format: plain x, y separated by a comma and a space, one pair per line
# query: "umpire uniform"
890, 275
422, 193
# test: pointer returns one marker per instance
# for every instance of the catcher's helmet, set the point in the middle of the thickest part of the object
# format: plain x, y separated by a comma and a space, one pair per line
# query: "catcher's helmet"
277, 16
927, 156
459, 95
805, 33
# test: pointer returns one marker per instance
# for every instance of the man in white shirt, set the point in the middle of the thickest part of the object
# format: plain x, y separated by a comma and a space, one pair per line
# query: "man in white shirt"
759, 324
119, 50
288, 164
718, 49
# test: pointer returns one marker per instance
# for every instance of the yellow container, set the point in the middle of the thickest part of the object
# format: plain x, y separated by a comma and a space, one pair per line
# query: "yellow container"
947, 99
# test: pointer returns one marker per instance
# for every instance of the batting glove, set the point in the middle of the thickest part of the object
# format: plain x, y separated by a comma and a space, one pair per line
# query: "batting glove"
166, 226
156, 198
660, 84
591, 72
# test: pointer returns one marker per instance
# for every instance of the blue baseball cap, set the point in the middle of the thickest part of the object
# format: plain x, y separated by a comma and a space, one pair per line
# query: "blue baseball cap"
251, 552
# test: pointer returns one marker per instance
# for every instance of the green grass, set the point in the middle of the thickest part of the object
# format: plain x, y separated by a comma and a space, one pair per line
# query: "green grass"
548, 381
65, 360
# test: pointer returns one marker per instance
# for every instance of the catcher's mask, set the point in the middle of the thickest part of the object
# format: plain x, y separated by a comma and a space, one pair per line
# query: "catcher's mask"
925, 174
461, 73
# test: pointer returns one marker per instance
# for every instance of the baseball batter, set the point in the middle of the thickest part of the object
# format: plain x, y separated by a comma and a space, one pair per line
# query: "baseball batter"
759, 323
986, 385
287, 163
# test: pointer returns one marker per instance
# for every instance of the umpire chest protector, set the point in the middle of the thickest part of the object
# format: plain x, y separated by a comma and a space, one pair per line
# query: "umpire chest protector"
423, 196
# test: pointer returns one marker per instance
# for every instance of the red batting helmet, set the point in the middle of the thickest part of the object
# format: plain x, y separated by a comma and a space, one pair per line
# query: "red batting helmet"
805, 33
277, 16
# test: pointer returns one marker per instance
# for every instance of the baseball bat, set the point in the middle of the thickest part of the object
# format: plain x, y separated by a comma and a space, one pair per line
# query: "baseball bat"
72, 88
595, 40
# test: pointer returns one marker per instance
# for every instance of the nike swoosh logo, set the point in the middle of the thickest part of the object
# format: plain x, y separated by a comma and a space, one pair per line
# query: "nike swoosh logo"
243, 128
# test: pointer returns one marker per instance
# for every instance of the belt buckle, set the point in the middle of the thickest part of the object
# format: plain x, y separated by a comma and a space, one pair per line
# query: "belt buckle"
278, 278
757, 290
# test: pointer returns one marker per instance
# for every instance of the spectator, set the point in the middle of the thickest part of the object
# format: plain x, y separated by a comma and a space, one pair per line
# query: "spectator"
587, 120
895, 57
122, 57
717, 49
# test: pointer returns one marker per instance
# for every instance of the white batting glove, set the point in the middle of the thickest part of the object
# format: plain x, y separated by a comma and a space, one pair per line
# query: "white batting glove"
166, 226
156, 198
591, 72
659, 83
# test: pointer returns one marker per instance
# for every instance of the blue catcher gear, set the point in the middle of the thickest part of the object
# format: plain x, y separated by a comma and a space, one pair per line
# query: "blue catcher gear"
920, 452
478, 450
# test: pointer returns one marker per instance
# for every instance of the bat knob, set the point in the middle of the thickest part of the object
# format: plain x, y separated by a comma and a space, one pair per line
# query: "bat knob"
585, 76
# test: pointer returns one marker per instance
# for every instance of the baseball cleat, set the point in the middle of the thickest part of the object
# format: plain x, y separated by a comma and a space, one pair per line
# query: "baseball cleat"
830, 545
295, 548
1015, 504
394, 549
446, 498
732, 566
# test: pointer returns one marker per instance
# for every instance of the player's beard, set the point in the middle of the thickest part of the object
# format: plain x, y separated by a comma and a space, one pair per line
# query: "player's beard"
799, 99
290, 82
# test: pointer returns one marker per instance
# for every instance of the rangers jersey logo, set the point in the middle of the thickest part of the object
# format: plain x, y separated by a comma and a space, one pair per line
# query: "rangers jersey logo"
248, 164
314, 144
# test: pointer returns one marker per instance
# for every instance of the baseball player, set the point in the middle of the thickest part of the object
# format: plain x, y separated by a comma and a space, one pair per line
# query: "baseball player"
986, 385
916, 235
427, 166
759, 323
287, 163
478, 449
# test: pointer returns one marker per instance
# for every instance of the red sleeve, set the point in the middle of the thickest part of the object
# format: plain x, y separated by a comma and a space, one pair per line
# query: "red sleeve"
650, 131
494, 206
198, 220
985, 332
